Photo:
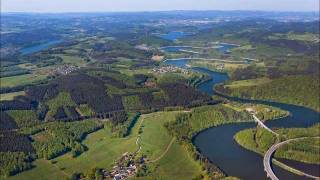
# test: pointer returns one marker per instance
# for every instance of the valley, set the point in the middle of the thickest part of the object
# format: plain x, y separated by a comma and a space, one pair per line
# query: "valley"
142, 96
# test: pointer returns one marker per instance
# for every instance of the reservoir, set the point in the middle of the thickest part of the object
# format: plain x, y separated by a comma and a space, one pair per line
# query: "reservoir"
39, 47
218, 145
172, 36
223, 48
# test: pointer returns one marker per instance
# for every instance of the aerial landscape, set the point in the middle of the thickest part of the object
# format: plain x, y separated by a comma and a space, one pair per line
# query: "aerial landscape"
197, 91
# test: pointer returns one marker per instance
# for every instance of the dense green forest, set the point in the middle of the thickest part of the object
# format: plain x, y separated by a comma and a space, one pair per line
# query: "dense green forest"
187, 125
14, 162
61, 137
299, 90
123, 129
49, 140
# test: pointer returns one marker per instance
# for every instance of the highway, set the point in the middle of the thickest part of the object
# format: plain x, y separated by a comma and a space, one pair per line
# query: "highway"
268, 157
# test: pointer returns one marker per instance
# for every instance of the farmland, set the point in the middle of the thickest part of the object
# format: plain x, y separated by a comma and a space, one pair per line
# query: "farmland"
103, 150
98, 95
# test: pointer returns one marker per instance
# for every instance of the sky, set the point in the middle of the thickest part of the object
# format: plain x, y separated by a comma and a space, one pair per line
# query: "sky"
155, 5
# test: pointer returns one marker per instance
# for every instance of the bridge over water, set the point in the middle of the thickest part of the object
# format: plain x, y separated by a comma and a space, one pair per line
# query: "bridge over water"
268, 158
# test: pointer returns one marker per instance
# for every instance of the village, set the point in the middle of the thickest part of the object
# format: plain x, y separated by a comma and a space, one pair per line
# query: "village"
64, 70
127, 166
168, 69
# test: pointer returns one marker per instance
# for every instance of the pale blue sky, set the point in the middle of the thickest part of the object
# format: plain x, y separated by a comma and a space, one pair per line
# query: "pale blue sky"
155, 5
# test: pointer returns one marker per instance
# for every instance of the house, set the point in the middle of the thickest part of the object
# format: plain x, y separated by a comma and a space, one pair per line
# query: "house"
251, 110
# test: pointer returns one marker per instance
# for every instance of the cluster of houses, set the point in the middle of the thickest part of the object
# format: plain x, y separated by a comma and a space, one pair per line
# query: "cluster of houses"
125, 167
168, 69
64, 70
251, 110
219, 66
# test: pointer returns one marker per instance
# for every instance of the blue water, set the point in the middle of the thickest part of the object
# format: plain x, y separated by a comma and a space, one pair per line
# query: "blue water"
224, 48
172, 36
40, 47
219, 146
179, 63
175, 49
216, 79
204, 87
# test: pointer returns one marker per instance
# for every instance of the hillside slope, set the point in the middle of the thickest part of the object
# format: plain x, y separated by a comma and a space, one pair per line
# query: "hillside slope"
300, 90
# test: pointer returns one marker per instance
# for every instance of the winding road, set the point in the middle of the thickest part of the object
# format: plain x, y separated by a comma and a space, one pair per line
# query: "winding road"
164, 153
268, 157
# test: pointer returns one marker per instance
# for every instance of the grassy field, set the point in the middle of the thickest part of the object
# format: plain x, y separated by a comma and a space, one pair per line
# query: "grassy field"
176, 163
249, 82
153, 128
263, 112
213, 65
103, 151
10, 96
20, 80
295, 36
73, 60
131, 72
244, 48
43, 170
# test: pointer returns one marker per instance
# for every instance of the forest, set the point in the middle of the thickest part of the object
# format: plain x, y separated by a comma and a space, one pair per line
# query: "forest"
52, 119
299, 90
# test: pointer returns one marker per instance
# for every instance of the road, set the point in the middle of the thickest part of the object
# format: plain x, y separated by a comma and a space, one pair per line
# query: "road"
263, 125
164, 153
138, 144
268, 157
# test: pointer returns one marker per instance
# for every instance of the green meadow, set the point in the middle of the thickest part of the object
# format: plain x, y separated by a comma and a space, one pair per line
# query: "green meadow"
20, 80
10, 96
168, 159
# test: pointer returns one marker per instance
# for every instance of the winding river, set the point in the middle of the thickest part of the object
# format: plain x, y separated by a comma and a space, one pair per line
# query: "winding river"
219, 146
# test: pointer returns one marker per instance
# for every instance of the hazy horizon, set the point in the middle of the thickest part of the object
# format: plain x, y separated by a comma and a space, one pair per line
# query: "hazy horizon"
84, 6
155, 11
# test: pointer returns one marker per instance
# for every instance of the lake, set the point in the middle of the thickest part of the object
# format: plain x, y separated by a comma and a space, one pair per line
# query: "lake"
39, 47
223, 48
172, 36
